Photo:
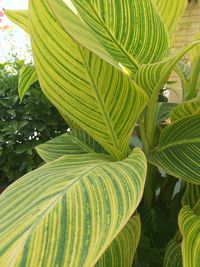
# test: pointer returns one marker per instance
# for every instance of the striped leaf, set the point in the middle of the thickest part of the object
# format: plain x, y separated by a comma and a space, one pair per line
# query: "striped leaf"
121, 251
132, 32
189, 223
184, 71
100, 99
191, 195
67, 212
178, 151
66, 14
163, 111
152, 77
75, 142
186, 109
171, 12
19, 17
27, 77
173, 256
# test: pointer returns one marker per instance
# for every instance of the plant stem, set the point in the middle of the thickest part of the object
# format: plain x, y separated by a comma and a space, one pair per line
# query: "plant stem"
149, 190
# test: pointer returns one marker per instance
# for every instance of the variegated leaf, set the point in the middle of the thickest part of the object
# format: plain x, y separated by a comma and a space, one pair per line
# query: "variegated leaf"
67, 212
178, 151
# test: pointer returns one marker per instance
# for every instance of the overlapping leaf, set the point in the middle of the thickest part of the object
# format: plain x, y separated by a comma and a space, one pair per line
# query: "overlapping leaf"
163, 111
178, 151
121, 251
68, 212
186, 109
152, 77
75, 142
27, 77
189, 223
173, 256
132, 32
95, 95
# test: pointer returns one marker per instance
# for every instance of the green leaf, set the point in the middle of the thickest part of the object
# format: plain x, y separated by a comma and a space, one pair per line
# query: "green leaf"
171, 12
178, 151
19, 17
27, 77
184, 71
173, 256
132, 32
82, 86
191, 196
121, 251
163, 111
75, 142
186, 109
189, 223
66, 14
69, 211
152, 77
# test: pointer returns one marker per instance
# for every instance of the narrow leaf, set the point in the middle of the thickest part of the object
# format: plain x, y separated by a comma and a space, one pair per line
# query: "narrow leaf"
67, 212
178, 151
27, 77
191, 196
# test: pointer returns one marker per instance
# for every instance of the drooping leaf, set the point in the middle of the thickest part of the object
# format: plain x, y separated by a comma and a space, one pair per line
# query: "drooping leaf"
121, 251
173, 256
178, 151
27, 77
189, 223
186, 109
96, 96
171, 12
152, 77
75, 142
132, 32
19, 17
69, 211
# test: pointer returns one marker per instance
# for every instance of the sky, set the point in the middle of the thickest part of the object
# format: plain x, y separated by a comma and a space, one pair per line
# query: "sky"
13, 40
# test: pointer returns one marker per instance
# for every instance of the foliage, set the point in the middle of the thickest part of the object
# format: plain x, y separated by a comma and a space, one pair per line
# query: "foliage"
104, 64
23, 125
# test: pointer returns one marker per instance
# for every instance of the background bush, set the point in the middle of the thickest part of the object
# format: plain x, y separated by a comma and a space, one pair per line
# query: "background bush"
23, 125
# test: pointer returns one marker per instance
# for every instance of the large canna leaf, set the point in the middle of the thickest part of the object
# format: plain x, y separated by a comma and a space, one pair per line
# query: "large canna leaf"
171, 12
186, 109
19, 17
67, 212
132, 32
75, 142
84, 88
121, 251
173, 255
178, 151
27, 77
189, 223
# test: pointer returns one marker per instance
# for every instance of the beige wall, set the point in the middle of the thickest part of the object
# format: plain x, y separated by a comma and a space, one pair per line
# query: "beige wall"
185, 33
